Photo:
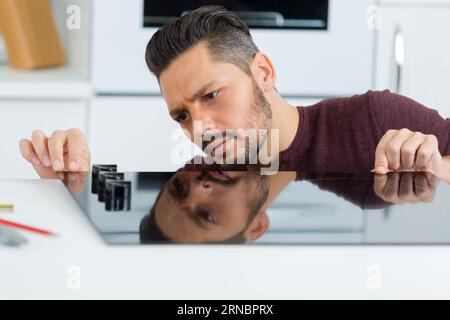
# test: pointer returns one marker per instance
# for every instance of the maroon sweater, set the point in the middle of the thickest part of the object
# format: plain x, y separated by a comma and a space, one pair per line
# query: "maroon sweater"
341, 135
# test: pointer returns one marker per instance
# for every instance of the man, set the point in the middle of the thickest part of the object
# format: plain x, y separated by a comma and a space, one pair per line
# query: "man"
213, 76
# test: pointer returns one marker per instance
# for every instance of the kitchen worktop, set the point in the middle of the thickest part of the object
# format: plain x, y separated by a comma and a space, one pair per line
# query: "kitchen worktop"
47, 267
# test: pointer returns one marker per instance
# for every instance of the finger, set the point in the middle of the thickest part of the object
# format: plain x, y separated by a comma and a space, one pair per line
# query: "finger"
381, 161
28, 153
423, 190
75, 181
420, 182
379, 182
394, 146
391, 188
433, 181
39, 141
56, 144
85, 165
409, 150
406, 187
76, 146
426, 152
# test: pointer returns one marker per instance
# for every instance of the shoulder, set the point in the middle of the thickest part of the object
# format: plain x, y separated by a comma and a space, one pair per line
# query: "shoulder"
353, 108
345, 105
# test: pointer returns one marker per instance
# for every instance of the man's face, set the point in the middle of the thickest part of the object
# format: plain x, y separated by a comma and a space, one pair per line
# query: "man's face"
196, 207
218, 96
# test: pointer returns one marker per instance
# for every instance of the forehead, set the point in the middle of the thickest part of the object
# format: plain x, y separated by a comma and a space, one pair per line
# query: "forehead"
191, 71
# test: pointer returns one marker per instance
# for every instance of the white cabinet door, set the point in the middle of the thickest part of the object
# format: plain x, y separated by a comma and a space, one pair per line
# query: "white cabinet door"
20, 118
137, 134
425, 74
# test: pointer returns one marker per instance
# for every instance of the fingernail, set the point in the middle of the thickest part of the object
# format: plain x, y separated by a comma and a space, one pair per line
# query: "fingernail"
73, 165
47, 162
57, 165
35, 161
380, 170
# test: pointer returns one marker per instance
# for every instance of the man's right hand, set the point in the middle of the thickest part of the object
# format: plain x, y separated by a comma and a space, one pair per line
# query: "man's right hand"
63, 151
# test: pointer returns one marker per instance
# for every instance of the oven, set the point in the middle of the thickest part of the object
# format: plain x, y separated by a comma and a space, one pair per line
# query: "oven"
264, 14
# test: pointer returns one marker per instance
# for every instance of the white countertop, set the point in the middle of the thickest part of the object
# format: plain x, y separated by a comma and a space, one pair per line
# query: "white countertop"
41, 269
66, 82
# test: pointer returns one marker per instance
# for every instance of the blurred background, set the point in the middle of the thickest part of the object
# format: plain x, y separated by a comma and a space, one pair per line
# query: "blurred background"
91, 73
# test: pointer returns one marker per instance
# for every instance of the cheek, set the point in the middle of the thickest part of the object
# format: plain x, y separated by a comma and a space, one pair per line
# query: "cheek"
187, 131
236, 114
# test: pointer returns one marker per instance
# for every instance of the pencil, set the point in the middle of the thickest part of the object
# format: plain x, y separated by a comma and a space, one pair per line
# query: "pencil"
26, 228
6, 208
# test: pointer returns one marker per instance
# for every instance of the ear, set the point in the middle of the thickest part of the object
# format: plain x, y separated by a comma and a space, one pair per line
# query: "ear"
263, 71
258, 227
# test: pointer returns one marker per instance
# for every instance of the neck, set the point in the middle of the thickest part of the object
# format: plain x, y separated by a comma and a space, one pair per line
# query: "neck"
285, 118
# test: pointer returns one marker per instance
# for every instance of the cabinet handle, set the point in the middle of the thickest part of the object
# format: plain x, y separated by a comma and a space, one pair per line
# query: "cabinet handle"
399, 57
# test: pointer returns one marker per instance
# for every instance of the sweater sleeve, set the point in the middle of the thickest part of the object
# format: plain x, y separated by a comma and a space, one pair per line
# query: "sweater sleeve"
393, 111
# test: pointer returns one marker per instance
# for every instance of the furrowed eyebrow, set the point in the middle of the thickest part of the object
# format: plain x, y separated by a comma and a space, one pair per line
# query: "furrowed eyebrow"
199, 93
203, 90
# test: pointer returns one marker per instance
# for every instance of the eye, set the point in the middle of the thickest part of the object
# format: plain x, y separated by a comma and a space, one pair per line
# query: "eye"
182, 117
208, 217
179, 187
211, 96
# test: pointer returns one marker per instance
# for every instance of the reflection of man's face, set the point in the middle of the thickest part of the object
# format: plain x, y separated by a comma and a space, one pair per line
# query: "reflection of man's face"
209, 206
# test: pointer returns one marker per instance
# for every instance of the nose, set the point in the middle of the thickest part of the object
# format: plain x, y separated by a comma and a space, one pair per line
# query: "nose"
201, 186
204, 127
203, 121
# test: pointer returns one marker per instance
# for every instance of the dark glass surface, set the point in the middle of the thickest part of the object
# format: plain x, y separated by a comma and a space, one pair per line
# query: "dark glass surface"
323, 208
308, 14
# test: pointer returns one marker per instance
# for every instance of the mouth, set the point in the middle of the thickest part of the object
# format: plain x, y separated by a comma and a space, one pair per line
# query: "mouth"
218, 147
220, 175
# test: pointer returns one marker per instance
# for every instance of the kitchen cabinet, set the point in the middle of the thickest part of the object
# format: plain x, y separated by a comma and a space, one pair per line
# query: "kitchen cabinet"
413, 52
137, 134
18, 120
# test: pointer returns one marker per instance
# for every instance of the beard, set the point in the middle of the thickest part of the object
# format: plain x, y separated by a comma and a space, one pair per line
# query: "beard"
260, 114
256, 188
259, 122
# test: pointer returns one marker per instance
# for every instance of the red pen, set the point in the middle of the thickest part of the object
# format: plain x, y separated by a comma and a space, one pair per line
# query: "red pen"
27, 228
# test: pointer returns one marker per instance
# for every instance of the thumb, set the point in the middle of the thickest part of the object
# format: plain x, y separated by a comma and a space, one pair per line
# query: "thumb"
381, 163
